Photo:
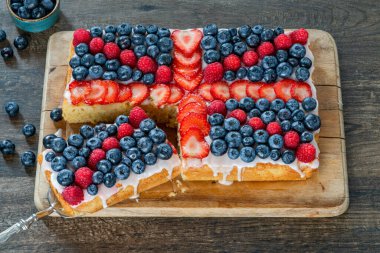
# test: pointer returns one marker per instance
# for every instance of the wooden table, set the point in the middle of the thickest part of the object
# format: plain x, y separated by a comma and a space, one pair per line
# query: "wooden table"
355, 27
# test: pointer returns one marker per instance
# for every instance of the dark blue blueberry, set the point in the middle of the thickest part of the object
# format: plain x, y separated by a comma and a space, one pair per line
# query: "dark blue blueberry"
28, 130
23, 12
65, 177
150, 159
96, 31
80, 73
151, 29
282, 55
20, 42
298, 126
7, 147
94, 143
255, 73
267, 35
253, 40
247, 154
284, 114
164, 59
138, 134
229, 75
133, 154
81, 49
257, 29
49, 156
270, 75
139, 50
100, 127
211, 56
312, 122
298, 115
70, 153
233, 31
216, 119
210, 29
278, 30
235, 39
123, 42
28, 159
286, 125
126, 161
86, 131
78, 162
148, 78
223, 36
302, 74
248, 141
293, 62
138, 166
306, 137
3, 35
104, 166
139, 29
233, 153
233, 139
262, 151
292, 104
95, 71
261, 136
226, 49
38, 12
164, 151
124, 29
11, 108
263, 104
92, 189
276, 141
145, 144
124, 73
269, 62
275, 154
58, 163
305, 62
309, 104
87, 60
163, 32
246, 104
7, 53
47, 140
240, 48
100, 59
152, 39
112, 65
284, 70
217, 132
208, 42
136, 75
246, 131
122, 171
138, 39
297, 51
121, 119
147, 125
111, 130
244, 31
30, 4
232, 104
102, 135
218, 147
241, 73
165, 44
153, 51
231, 124
288, 156
268, 116
157, 135
114, 156
277, 104
56, 114
85, 152
58, 144
109, 179
254, 113
109, 75
110, 29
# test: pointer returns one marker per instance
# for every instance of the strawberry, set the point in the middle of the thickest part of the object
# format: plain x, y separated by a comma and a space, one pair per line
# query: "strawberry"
147, 65
282, 89
265, 48
187, 41
110, 143
213, 72
176, 93
96, 45
306, 153
81, 36
136, 115
95, 156
238, 114
253, 89
205, 91
163, 74
111, 50
112, 92
128, 57
191, 98
267, 91
299, 36
160, 94
186, 84
73, 195
182, 61
250, 58
193, 144
274, 128
196, 120
238, 89
124, 130
187, 73
83, 177
220, 90
124, 93
139, 93
300, 91
282, 41
78, 91
189, 108
217, 106
256, 123
291, 139
98, 92
231, 62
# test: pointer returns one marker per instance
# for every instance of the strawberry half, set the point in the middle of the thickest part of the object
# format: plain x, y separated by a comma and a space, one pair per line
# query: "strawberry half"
188, 84
124, 93
193, 144
112, 92
78, 91
220, 90
98, 92
205, 91
238, 89
300, 91
253, 89
160, 94
195, 60
196, 120
176, 93
191, 98
189, 108
187, 41
139, 93
188, 73
282, 89
267, 91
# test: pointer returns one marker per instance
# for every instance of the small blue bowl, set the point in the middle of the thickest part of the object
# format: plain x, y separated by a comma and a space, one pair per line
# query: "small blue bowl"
36, 25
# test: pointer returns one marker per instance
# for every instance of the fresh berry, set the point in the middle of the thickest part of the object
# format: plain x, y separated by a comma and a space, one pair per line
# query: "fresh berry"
109, 179
192, 61
20, 42
148, 78
11, 108
282, 55
28, 159
111, 50
3, 35
205, 91
70, 153
239, 115
297, 51
98, 92
312, 122
215, 119
73, 195
218, 147
176, 93
309, 104
277, 105
146, 65
217, 106
164, 151
186, 84
231, 62
283, 87
267, 91
124, 93
139, 93
137, 115
267, 35
127, 57
274, 128
261, 136
255, 73
124, 129
265, 48
193, 144
213, 72
291, 139
305, 62
284, 70
194, 120
300, 91
192, 107
250, 58
282, 41
188, 72
164, 59
114, 156
269, 61
187, 41
65, 177
157, 135
81, 36
298, 115
268, 116
163, 74
95, 72
306, 137
96, 45
208, 42
238, 89
232, 104
220, 90
217, 132
83, 177
231, 124
299, 36
302, 74
78, 91
247, 104
110, 143
95, 156
252, 90
152, 51
256, 123
7, 53
160, 94
247, 154
306, 153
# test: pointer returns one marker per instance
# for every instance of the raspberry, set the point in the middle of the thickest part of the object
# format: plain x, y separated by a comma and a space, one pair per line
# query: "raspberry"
291, 139
238, 114
217, 106
83, 177
163, 74
282, 41
146, 65
95, 157
265, 48
299, 36
73, 195
306, 153
231, 62
250, 58
81, 36
127, 57
274, 128
96, 45
124, 129
111, 50
213, 72
137, 115
256, 123
110, 143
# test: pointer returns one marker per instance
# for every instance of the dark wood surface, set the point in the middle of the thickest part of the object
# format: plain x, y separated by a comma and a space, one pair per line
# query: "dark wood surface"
355, 25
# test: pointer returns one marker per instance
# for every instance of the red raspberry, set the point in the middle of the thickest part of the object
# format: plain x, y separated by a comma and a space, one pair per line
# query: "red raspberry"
110, 143
282, 41
256, 123
274, 128
147, 65
265, 48
299, 36
238, 114
217, 106
137, 115
250, 58
96, 45
213, 72
306, 153
127, 57
124, 129
81, 36
111, 50
231, 62
291, 140
163, 74
83, 177
73, 195
95, 157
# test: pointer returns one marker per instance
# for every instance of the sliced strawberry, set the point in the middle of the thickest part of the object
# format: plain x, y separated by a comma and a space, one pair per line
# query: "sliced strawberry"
300, 91
193, 144
78, 91
112, 92
267, 91
193, 61
124, 93
189, 85
176, 93
282, 89
188, 73
253, 89
187, 41
189, 108
196, 120
98, 92
139, 93
205, 91
220, 90
160, 94
191, 98
238, 89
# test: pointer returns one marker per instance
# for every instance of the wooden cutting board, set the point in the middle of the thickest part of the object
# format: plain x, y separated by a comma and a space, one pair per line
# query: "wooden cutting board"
325, 194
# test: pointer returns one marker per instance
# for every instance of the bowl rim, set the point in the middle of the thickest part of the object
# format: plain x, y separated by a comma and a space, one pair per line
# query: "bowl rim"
57, 2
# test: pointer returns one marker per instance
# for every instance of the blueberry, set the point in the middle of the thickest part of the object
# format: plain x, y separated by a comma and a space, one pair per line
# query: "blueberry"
302, 74
126, 161
94, 143
246, 131
81, 49
309, 104
255, 73
281, 55
164, 151
226, 49
229, 75
165, 44
285, 125
92, 189
305, 62
80, 73
150, 159
70, 153
109, 179
268, 116
153, 51
164, 59
257, 29
112, 65
30, 4
85, 152
270, 76
147, 125
288, 156
278, 30
233, 153
23, 12
157, 135
28, 130
211, 56
86, 131
284, 114
297, 51
298, 115
100, 59
124, 29
277, 104
233, 139
247, 154
269, 62
284, 70
262, 151
276, 141
261, 136
148, 78
38, 12
123, 42
139, 50
20, 42
246, 104
240, 48
312, 122
122, 171
233, 31
58, 144
100, 127
49, 156
121, 119
56, 114
133, 154
103, 135
104, 166
231, 124
145, 144
138, 134
292, 104
244, 31
139, 29
138, 39
275, 154
223, 36
111, 130
267, 35
14, 7
306, 137
96, 31
262, 104
216, 119
95, 71
235, 39
248, 141
152, 39
210, 29
254, 113
151, 29
298, 126
218, 147
217, 132
241, 73
78, 162
28, 159
163, 32
293, 62
58, 163
7, 147
87, 60
232, 104
65, 177
110, 29
74, 61
208, 42
138, 166
7, 53
97, 177
47, 140
253, 40
136, 75
109, 75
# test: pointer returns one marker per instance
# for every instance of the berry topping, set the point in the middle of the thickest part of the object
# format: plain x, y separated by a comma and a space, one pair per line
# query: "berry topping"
282, 89
110, 143
83, 177
124, 129
256, 123
195, 60
189, 108
282, 41
98, 92
220, 90
95, 156
194, 120
193, 145
73, 195
139, 93
127, 57
81, 36
187, 72
176, 93
253, 90
291, 139
213, 72
238, 114
78, 91
137, 115
238, 89
231, 62
188, 84
187, 41
111, 50
250, 58
96, 45
306, 153
146, 65
299, 36
124, 93
217, 106
205, 91
160, 93
112, 92
163, 74
274, 128
267, 91
300, 91
265, 48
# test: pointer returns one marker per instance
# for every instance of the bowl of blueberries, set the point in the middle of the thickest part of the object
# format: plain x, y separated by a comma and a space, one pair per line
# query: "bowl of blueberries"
34, 15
